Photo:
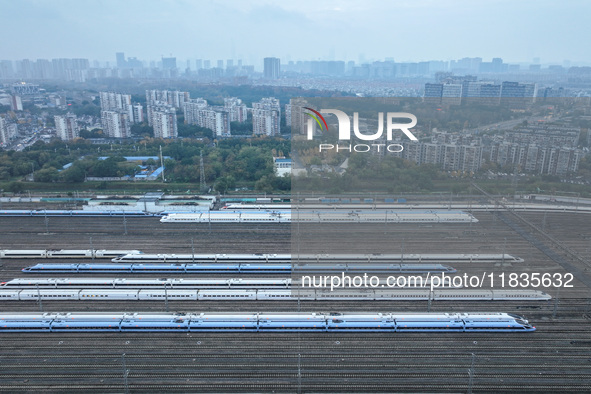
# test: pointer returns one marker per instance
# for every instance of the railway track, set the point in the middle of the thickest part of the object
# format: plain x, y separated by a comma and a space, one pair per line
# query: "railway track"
554, 358
286, 387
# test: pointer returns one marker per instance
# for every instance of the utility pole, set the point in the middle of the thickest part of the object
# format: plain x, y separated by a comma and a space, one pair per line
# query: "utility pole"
202, 185
39, 298
46, 222
193, 250
165, 296
125, 373
556, 299
299, 373
124, 222
92, 249
471, 374
162, 163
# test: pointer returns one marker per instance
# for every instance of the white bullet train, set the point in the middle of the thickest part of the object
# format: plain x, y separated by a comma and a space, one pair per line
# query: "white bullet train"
152, 294
476, 322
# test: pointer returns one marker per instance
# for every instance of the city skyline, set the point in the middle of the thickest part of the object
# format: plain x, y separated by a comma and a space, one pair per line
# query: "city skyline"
345, 30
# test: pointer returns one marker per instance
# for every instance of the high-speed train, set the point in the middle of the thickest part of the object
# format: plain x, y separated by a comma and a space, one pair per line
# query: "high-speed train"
218, 268
64, 253
80, 213
129, 283
177, 283
322, 216
332, 258
154, 294
261, 322
258, 207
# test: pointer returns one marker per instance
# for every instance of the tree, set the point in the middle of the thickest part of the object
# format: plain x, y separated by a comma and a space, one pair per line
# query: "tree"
46, 175
142, 130
224, 183
15, 187
74, 174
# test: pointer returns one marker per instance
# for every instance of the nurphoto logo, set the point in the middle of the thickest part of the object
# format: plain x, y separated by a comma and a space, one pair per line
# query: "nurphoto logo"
344, 127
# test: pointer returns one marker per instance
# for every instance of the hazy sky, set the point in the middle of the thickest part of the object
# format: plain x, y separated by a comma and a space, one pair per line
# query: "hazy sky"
413, 30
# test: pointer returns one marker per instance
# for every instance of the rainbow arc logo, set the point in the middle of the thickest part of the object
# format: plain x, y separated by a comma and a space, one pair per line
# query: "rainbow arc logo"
316, 119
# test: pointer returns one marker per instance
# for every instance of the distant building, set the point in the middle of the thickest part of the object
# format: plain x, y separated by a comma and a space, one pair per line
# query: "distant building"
67, 126
237, 110
16, 104
4, 138
169, 62
218, 121
116, 124
271, 68
122, 102
121, 62
451, 94
23, 89
138, 113
433, 93
282, 166
266, 117
516, 94
199, 113
164, 122
297, 119
537, 159
173, 98
114, 101
448, 156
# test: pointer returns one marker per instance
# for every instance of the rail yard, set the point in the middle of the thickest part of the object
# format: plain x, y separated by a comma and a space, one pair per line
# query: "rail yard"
555, 357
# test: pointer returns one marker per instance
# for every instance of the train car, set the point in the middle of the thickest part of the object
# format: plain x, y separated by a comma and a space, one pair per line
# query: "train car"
244, 321
23, 254
320, 216
70, 213
68, 254
269, 268
262, 322
104, 294
497, 295
221, 295
266, 295
9, 294
108, 294
233, 268
51, 268
103, 253
46, 294
375, 268
259, 207
154, 268
291, 322
171, 283
304, 258
402, 295
172, 294
16, 212
64, 253
202, 258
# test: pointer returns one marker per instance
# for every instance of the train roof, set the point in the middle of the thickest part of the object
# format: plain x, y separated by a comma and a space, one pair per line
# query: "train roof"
252, 315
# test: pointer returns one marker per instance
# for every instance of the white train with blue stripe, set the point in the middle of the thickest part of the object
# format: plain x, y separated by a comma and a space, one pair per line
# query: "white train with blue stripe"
477, 322
410, 258
321, 216
246, 268
176, 294
64, 253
